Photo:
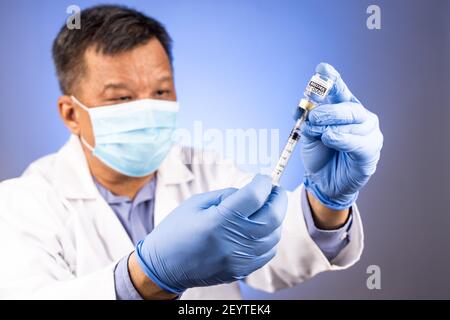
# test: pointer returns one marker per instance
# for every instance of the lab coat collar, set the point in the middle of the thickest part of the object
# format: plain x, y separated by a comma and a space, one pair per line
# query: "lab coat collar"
73, 178
174, 170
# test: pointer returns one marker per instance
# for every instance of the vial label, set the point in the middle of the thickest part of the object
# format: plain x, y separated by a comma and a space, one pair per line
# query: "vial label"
318, 86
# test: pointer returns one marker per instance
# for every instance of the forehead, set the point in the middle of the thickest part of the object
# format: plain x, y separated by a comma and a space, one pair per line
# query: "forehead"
140, 66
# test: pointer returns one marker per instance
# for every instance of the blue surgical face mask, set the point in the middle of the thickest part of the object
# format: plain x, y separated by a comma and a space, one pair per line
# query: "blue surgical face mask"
132, 138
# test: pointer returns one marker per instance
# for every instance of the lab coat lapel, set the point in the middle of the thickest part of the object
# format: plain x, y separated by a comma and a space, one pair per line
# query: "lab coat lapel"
75, 184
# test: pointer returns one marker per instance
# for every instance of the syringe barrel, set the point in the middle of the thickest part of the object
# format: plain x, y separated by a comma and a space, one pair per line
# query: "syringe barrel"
284, 157
286, 154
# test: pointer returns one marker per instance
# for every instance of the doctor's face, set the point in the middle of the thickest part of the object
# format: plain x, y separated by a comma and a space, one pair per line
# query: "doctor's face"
141, 73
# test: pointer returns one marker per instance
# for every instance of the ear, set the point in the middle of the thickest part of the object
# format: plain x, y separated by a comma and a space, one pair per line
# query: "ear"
70, 114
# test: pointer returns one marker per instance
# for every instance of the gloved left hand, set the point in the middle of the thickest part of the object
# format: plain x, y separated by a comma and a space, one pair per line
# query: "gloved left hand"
341, 143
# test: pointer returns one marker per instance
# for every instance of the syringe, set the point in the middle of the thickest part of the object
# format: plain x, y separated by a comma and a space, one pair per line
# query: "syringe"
316, 91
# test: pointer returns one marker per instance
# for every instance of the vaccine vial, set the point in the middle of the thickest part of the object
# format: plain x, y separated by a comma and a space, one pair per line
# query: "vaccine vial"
315, 92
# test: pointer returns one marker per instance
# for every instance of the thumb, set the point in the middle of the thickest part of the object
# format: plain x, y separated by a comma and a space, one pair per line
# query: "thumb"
250, 198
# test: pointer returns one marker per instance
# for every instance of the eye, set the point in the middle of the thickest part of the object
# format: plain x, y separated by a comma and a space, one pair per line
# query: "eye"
162, 93
123, 98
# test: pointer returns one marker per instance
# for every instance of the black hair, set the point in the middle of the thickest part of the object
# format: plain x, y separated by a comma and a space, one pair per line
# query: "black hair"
109, 29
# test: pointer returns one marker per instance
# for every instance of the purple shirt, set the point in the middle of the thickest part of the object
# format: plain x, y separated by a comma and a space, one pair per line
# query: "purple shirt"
136, 216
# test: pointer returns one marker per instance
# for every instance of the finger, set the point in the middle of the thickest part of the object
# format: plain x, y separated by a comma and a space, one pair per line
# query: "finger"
250, 198
359, 147
272, 214
260, 261
339, 92
250, 263
337, 114
360, 129
261, 245
208, 199
265, 220
311, 131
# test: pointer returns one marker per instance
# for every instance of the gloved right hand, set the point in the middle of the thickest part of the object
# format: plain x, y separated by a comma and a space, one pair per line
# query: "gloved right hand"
215, 237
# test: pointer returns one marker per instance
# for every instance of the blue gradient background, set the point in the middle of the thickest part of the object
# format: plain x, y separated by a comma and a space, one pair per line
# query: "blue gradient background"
243, 64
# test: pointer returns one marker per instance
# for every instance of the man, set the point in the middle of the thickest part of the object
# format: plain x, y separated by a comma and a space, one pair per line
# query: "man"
118, 213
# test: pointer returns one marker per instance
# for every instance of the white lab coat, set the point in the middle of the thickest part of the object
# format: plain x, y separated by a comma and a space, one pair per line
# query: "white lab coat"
60, 240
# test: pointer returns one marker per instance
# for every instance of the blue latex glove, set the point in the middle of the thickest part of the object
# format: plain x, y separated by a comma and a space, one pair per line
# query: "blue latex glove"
341, 143
215, 237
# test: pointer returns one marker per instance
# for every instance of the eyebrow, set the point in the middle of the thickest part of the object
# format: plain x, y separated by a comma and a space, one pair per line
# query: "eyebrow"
165, 78
115, 86
121, 85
